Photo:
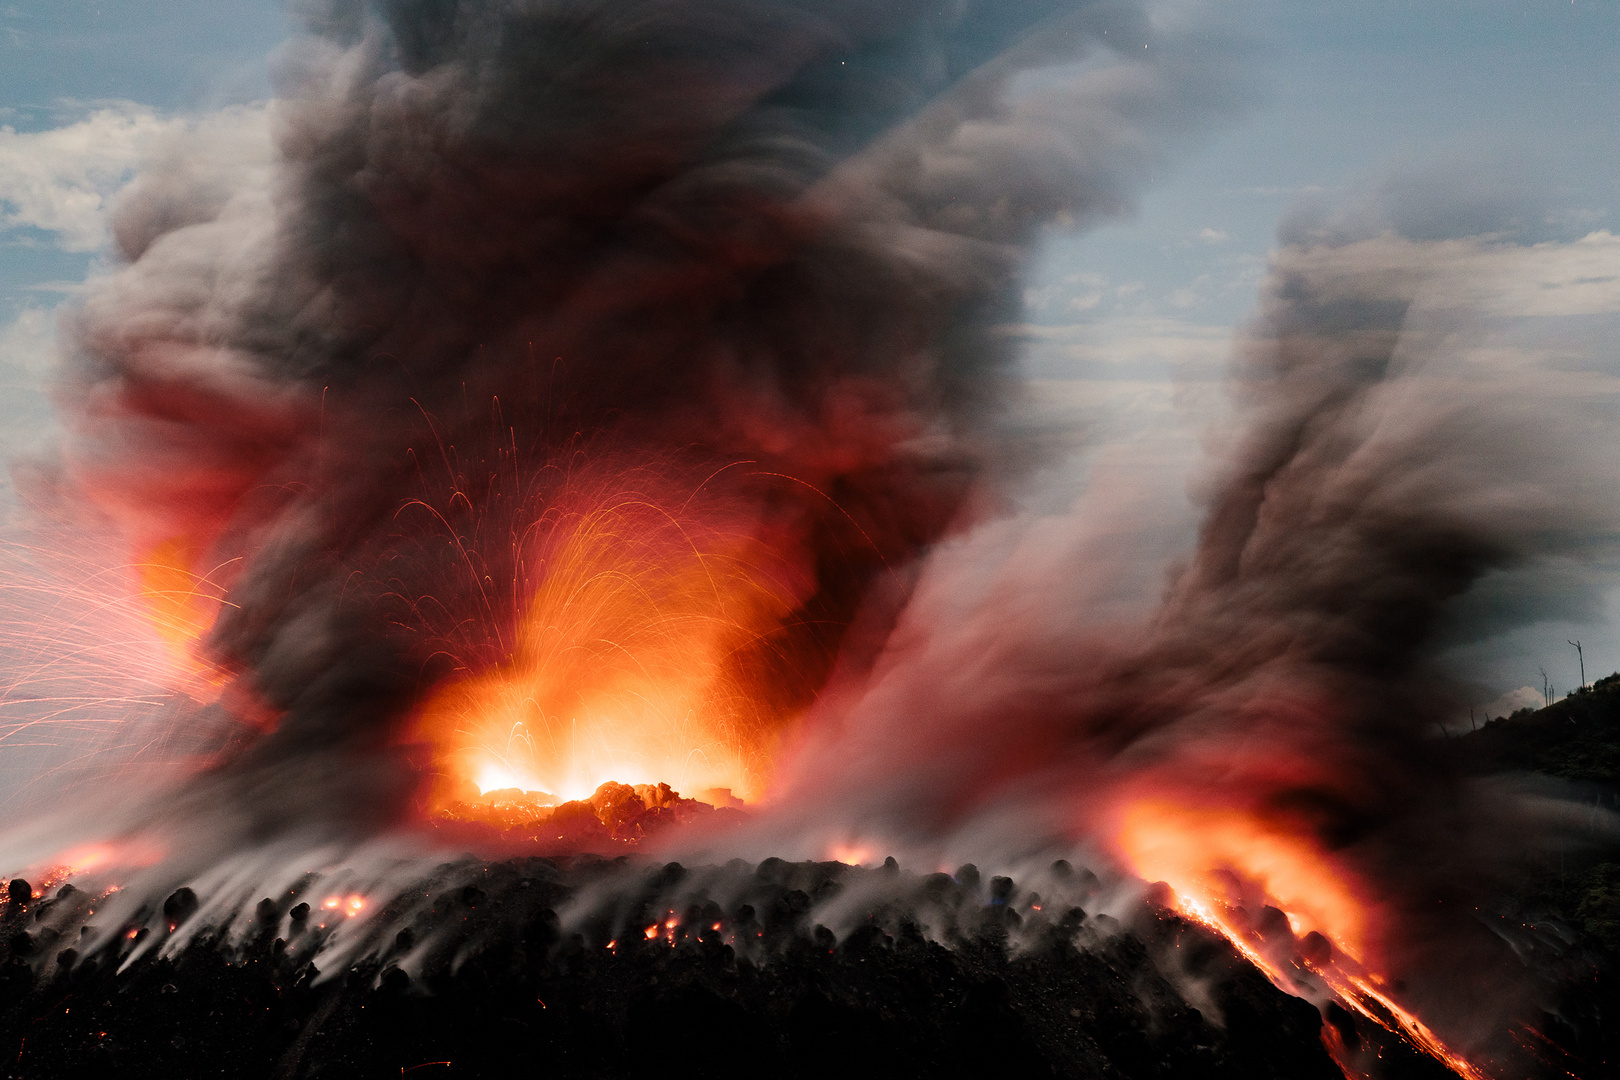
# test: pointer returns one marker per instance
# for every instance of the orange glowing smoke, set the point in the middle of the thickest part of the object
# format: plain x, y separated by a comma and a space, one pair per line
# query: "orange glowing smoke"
182, 605
103, 859
624, 663
852, 854
1209, 854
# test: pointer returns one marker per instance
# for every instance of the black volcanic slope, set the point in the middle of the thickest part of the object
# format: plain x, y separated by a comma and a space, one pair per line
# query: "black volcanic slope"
475, 975
502, 991
1569, 894
589, 967
1576, 741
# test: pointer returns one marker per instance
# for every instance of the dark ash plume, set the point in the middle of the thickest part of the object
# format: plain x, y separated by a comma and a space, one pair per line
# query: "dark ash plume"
509, 243
1394, 457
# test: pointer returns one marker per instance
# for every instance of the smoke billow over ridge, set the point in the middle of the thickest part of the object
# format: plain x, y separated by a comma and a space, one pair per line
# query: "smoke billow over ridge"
749, 255
1399, 467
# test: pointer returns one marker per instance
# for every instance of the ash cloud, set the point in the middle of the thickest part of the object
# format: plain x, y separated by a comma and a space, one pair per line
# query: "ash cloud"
1411, 452
503, 245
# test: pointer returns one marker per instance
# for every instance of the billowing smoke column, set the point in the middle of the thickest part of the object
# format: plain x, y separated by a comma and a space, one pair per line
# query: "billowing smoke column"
1398, 478
736, 263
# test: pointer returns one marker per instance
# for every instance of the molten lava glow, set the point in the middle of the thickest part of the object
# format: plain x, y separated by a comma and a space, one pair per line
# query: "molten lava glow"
494, 776
1203, 853
623, 666
125, 854
853, 854
1410, 1025
1220, 861
81, 860
346, 905
182, 605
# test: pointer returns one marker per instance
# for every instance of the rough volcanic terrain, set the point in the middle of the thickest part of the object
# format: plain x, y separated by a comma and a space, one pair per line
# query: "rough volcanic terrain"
500, 986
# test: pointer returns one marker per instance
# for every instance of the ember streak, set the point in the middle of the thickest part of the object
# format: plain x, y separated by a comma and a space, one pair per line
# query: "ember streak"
597, 421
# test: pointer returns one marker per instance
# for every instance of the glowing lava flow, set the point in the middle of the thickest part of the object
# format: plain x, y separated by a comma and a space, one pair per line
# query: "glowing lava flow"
1222, 863
346, 906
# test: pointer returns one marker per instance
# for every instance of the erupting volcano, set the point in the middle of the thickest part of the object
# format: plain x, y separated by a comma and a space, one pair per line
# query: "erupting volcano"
587, 434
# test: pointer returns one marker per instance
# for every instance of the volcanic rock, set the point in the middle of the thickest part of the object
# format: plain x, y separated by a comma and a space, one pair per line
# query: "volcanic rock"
485, 973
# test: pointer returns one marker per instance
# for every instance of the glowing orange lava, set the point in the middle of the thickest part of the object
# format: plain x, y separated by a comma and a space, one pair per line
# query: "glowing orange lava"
850, 853
1222, 863
1207, 854
97, 858
623, 664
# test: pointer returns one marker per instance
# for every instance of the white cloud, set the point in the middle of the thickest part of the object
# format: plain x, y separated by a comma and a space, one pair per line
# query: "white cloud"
1087, 290
64, 181
1039, 299
60, 180
1525, 697
27, 345
27, 357
1212, 236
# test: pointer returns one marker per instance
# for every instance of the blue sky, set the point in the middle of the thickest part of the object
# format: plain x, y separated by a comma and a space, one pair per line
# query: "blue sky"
1515, 101
174, 54
1524, 93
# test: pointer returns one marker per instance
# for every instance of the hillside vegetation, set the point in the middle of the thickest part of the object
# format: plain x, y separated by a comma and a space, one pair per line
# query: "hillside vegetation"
1578, 740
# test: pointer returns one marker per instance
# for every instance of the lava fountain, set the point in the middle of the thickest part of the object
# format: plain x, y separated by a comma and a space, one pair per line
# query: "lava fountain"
640, 624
